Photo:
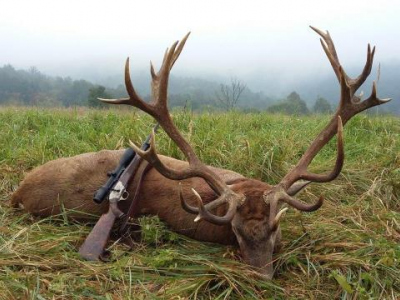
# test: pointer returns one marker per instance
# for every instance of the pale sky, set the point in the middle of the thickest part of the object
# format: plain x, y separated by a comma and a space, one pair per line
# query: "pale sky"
228, 37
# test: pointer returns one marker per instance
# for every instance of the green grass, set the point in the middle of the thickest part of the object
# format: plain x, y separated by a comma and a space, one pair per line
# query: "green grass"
349, 249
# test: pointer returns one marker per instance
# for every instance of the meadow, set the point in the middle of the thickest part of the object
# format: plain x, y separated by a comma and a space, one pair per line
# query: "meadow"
349, 249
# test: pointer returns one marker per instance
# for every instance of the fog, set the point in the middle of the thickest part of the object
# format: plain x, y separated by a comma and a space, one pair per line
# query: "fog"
257, 41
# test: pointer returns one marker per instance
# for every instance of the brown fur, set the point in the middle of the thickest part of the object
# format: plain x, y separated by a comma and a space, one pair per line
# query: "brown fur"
71, 182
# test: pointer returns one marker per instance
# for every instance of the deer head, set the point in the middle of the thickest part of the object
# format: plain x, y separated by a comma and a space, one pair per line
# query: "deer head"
253, 209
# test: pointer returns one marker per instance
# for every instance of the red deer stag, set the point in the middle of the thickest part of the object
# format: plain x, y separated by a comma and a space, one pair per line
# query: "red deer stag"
232, 209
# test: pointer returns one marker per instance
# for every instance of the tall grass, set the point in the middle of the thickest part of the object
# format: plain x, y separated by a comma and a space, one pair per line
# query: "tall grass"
349, 249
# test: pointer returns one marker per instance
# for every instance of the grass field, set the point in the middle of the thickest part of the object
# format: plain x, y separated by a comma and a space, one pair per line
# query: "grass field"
349, 249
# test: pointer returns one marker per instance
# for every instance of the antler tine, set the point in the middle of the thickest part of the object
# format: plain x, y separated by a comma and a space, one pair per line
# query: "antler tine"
345, 90
300, 170
279, 195
228, 196
344, 79
187, 207
126, 101
195, 169
165, 55
195, 210
151, 156
356, 83
274, 222
339, 160
204, 214
300, 205
372, 100
329, 48
297, 187
335, 64
134, 99
128, 82
160, 82
179, 48
328, 40
163, 77
152, 72
175, 56
273, 197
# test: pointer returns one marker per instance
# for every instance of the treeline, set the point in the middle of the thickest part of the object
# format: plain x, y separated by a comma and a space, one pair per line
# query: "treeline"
33, 88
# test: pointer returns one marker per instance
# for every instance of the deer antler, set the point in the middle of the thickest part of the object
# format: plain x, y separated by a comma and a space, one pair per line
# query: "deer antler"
159, 110
349, 106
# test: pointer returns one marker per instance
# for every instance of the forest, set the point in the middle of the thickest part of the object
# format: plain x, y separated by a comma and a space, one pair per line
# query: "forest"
33, 88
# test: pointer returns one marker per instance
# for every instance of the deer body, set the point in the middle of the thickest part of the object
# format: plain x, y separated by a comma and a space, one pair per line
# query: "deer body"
69, 183
230, 208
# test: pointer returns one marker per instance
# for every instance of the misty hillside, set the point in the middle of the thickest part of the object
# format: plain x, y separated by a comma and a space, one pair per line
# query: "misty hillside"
31, 87
388, 86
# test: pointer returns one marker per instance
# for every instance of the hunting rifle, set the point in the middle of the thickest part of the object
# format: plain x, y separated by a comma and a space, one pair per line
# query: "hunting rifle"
116, 190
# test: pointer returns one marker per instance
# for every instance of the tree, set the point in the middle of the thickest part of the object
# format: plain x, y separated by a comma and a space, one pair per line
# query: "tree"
292, 105
322, 106
97, 92
229, 94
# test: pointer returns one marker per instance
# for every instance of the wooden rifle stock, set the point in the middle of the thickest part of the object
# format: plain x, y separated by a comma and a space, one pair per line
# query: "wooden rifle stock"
93, 247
